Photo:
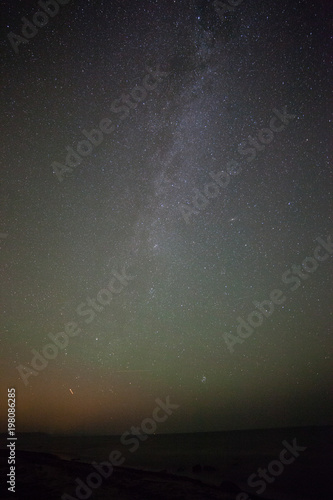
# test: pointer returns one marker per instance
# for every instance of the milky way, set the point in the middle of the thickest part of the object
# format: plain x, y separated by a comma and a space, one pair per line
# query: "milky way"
225, 78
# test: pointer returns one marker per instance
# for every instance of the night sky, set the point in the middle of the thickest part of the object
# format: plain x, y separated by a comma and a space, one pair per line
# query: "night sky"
185, 92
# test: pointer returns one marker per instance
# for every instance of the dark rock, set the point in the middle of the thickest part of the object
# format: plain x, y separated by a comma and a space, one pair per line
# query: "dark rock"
196, 469
209, 468
230, 487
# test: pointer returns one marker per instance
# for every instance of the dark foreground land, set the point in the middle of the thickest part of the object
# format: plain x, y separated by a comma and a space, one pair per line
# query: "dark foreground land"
197, 466
44, 476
